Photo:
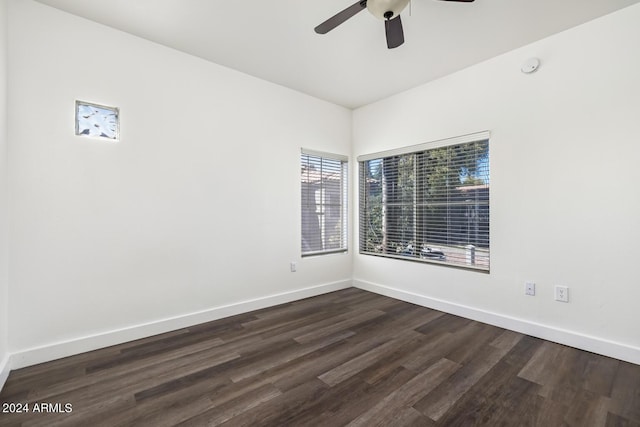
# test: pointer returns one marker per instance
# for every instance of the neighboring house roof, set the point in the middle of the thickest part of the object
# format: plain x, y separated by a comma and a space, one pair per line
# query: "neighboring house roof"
314, 176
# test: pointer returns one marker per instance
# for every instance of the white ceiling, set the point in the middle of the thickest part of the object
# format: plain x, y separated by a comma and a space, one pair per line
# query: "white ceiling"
350, 66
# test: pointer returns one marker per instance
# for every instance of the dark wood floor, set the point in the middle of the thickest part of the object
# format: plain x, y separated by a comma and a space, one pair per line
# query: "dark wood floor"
345, 358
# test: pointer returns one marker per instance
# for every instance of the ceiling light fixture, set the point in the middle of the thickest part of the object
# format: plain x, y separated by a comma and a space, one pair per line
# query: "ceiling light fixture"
386, 9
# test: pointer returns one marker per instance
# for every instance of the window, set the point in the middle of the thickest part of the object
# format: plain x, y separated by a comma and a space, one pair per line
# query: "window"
324, 202
97, 120
428, 203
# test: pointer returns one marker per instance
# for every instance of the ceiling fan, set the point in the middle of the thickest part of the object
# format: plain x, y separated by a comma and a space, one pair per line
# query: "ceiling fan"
388, 10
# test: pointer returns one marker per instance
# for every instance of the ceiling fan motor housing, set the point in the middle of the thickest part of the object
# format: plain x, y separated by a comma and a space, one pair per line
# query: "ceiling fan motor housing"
381, 8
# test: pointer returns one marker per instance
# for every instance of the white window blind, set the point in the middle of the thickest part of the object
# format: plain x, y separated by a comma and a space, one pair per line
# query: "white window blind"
428, 205
324, 202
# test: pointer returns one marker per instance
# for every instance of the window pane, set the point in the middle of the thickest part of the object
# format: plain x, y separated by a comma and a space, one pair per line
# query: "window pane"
324, 204
431, 205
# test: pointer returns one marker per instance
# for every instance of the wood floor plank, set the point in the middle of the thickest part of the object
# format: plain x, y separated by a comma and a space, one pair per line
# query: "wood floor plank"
331, 328
235, 409
278, 359
168, 409
567, 381
444, 323
335, 410
626, 393
387, 363
599, 375
283, 406
435, 405
345, 358
588, 409
540, 368
135, 375
359, 363
439, 345
485, 333
507, 339
384, 412
325, 360
614, 420
496, 396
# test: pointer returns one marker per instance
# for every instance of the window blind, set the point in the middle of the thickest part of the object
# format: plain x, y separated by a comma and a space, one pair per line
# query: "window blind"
429, 205
324, 202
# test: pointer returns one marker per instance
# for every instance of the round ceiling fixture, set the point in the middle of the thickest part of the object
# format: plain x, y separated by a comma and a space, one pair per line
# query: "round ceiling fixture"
530, 65
386, 9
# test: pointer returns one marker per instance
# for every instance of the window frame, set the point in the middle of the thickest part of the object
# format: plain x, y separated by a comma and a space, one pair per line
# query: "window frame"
341, 191
476, 258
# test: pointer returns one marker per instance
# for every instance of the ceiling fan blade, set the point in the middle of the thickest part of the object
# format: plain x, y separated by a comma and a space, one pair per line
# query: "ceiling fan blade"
395, 35
340, 17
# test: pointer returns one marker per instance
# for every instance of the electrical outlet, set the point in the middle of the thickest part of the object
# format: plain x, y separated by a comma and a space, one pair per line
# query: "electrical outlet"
562, 293
293, 267
530, 288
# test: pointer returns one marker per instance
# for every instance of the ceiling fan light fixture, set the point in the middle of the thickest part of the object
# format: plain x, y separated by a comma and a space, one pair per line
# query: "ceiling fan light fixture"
387, 10
381, 8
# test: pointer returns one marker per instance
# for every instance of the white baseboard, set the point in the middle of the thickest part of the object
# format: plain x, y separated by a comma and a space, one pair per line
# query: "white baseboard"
59, 350
5, 368
547, 332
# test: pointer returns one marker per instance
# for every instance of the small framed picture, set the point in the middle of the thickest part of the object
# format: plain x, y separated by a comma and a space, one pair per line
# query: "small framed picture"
98, 121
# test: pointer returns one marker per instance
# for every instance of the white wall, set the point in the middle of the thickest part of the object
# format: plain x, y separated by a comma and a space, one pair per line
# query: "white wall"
565, 204
196, 208
4, 328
